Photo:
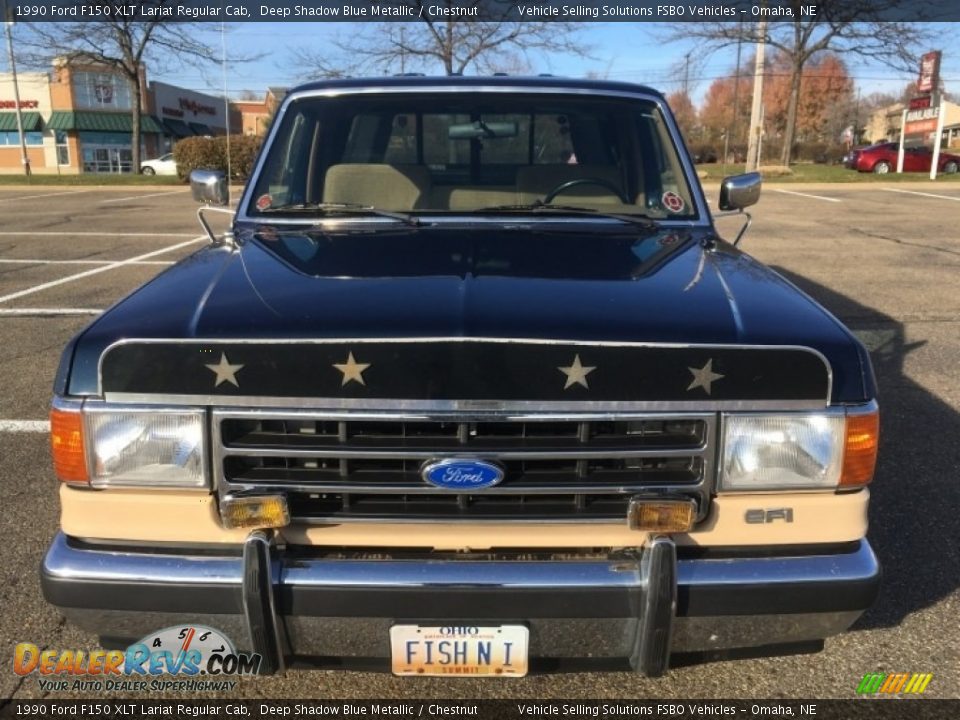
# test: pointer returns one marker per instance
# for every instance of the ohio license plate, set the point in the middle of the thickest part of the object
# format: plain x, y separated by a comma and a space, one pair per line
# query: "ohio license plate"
466, 650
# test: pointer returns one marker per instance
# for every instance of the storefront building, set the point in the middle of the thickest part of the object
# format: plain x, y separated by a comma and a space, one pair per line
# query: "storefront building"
92, 106
34, 107
78, 119
186, 113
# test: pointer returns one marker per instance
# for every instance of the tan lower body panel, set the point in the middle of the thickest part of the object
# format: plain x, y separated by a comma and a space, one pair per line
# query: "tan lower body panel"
191, 518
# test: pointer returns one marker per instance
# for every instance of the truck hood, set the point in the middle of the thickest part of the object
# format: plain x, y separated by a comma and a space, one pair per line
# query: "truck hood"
572, 283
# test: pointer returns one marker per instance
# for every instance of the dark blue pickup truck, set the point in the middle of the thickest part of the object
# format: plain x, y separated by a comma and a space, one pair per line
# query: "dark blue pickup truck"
471, 386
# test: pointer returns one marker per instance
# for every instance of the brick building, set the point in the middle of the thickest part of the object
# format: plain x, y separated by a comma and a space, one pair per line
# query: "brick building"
77, 119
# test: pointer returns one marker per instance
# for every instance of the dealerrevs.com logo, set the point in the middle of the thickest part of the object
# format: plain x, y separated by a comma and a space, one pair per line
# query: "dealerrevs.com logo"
185, 658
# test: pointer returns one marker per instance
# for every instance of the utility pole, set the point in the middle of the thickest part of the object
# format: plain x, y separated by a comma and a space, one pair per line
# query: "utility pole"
763, 110
736, 95
24, 158
757, 107
403, 53
686, 74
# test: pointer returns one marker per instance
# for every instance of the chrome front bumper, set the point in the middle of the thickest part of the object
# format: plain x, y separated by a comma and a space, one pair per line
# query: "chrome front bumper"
287, 603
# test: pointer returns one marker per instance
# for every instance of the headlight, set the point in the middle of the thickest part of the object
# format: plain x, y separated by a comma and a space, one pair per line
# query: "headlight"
781, 452
146, 448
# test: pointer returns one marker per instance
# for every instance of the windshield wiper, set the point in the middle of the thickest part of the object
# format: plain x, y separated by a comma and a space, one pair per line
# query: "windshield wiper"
329, 209
544, 208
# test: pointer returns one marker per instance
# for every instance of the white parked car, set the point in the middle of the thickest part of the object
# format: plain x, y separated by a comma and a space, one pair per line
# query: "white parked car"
163, 165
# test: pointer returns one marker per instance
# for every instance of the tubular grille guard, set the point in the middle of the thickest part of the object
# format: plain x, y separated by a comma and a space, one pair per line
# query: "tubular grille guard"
365, 466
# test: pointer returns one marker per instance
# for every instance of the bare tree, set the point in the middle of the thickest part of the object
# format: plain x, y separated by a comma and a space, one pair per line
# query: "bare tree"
452, 44
122, 44
856, 27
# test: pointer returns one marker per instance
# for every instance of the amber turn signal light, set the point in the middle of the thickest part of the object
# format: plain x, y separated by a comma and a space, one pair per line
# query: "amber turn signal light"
66, 444
860, 449
652, 515
259, 511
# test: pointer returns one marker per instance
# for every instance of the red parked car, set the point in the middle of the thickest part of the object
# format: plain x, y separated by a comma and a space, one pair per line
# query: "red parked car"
882, 158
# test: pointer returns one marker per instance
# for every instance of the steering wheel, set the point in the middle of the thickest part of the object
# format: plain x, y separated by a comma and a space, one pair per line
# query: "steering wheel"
606, 184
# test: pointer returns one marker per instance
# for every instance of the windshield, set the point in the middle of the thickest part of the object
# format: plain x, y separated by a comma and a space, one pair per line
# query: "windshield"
473, 152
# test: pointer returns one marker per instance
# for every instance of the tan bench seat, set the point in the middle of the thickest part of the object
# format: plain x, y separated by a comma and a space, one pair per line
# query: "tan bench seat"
389, 187
535, 181
472, 197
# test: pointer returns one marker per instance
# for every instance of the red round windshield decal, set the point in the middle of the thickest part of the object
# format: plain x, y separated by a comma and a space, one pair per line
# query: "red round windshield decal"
264, 201
672, 202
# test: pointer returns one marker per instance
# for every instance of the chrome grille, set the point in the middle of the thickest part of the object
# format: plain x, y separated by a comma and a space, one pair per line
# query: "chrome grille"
341, 467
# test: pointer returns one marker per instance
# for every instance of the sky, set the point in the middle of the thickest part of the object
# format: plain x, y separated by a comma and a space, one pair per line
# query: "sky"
633, 52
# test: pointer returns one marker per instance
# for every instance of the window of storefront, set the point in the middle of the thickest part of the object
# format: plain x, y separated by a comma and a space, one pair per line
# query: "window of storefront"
63, 150
107, 159
12, 137
106, 152
101, 91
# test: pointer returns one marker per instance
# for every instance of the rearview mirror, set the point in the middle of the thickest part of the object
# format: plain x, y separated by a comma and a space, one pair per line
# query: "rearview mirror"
479, 129
740, 191
209, 186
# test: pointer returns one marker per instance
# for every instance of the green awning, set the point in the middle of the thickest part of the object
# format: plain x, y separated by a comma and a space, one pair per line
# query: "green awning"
200, 128
148, 123
101, 121
31, 121
177, 128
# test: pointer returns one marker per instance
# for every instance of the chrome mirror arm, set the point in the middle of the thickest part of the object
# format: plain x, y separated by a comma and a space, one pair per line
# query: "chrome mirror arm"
228, 237
743, 230
746, 225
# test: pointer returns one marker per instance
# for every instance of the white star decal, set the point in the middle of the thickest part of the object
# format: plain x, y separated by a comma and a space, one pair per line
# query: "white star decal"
352, 370
704, 377
576, 373
225, 372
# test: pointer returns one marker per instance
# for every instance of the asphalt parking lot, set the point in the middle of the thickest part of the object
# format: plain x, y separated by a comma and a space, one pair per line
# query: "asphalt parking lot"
885, 259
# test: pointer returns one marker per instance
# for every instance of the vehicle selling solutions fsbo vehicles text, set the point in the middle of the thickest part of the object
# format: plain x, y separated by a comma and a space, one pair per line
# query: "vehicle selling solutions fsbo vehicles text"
614, 11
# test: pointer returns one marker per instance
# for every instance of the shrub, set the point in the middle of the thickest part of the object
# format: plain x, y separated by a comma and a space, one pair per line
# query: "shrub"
243, 153
196, 153
703, 152
807, 151
210, 153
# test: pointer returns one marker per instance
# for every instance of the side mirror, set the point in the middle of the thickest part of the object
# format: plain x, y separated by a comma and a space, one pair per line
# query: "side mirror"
209, 186
740, 191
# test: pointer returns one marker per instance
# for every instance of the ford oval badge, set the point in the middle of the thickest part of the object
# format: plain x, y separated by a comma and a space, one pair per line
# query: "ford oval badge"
464, 475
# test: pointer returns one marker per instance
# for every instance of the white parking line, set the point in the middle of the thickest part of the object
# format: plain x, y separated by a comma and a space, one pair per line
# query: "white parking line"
70, 233
34, 197
137, 197
19, 261
815, 197
96, 270
48, 312
25, 426
914, 192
